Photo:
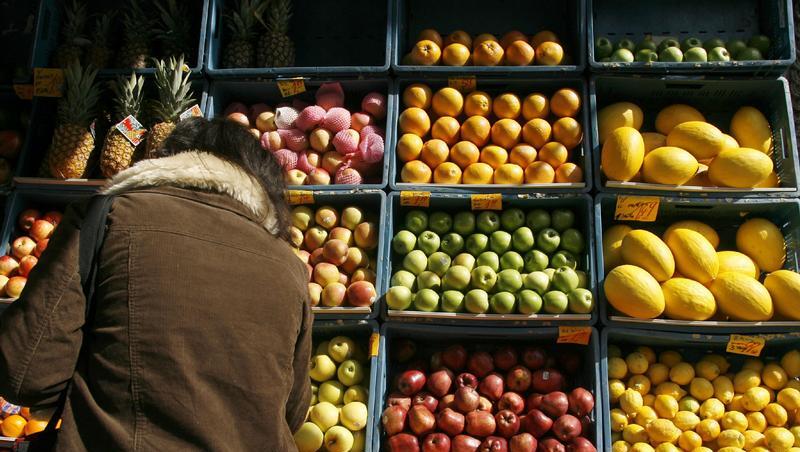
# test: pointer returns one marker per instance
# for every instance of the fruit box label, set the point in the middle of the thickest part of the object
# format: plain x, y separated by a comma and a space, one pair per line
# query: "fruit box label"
47, 82
301, 197
464, 84
637, 208
8, 408
292, 86
193, 112
574, 335
745, 345
492, 201
374, 344
24, 92
131, 129
415, 198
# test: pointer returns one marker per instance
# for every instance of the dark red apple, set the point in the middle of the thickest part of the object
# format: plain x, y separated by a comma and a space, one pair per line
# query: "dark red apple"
446, 402
581, 445
513, 402
439, 382
455, 357
436, 442
518, 379
418, 364
555, 404
566, 428
436, 362
494, 444
403, 350
492, 386
480, 364
524, 442
536, 423
505, 358
399, 400
551, 445
485, 404
581, 402
450, 421
464, 443
586, 426
534, 401
394, 420
480, 424
466, 379
507, 423
466, 399
403, 442
570, 361
547, 380
421, 420
425, 399
411, 382
534, 357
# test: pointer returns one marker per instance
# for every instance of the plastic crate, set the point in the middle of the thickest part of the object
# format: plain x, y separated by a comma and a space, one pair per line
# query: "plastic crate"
494, 86
330, 38
690, 346
436, 338
40, 135
367, 334
374, 203
725, 216
455, 202
224, 92
15, 116
49, 29
725, 19
565, 18
16, 40
718, 100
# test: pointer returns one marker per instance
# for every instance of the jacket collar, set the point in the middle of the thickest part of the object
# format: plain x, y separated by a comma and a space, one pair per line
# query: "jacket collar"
199, 171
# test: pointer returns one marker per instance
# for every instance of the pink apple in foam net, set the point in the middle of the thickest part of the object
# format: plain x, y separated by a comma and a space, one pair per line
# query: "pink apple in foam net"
22, 246
27, 218
307, 161
361, 293
375, 104
26, 264
331, 161
295, 177
325, 274
8, 265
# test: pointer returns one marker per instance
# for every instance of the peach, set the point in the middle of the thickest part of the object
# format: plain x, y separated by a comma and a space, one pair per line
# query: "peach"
27, 218
361, 293
319, 176
343, 234
8, 265
364, 274
366, 235
333, 294
325, 273
239, 118
26, 264
355, 258
296, 236
351, 217
316, 257
321, 140
295, 177
41, 230
22, 246
15, 285
315, 237
303, 255
335, 252
327, 217
314, 293
40, 247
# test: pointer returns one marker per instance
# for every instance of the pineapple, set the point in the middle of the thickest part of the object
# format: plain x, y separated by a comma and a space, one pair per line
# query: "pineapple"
99, 53
175, 29
174, 98
241, 23
73, 143
72, 39
136, 37
275, 48
118, 152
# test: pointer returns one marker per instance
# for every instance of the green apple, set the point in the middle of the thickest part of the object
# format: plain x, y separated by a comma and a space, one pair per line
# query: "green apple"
671, 55
428, 242
416, 221
399, 298
325, 415
440, 222
713, 43
583, 279
426, 300
522, 239
735, 46
500, 241
331, 391
477, 301
322, 368
646, 56
456, 278
626, 43
350, 372
565, 279
512, 260
438, 263
749, 54
537, 281
489, 259
403, 278
477, 243
719, 54
487, 222
429, 280
562, 219
353, 416
564, 258
622, 56
690, 43
647, 44
483, 277
356, 393
464, 223
465, 260
503, 303
572, 241
695, 55
452, 301
338, 439
322, 348
511, 219
602, 47
549, 272
403, 242
308, 438
314, 392
555, 302
580, 301
668, 42
341, 348
536, 260
759, 42
529, 302
537, 220
548, 240
452, 243
415, 262
508, 281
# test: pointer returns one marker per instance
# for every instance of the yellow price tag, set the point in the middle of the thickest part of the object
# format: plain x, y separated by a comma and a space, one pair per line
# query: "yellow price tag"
374, 344
745, 345
24, 92
491, 201
300, 197
415, 198
47, 82
291, 86
637, 208
466, 84
574, 335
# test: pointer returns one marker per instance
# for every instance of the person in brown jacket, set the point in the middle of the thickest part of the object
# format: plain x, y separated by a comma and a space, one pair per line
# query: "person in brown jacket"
200, 336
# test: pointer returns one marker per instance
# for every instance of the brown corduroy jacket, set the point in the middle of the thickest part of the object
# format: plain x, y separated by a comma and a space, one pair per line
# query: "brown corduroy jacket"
201, 332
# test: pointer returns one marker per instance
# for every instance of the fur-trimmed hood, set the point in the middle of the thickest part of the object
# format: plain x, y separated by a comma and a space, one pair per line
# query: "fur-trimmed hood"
202, 171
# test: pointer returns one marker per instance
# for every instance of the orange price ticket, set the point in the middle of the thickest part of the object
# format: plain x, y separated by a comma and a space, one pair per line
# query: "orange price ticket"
490, 201
374, 344
466, 84
637, 208
47, 82
745, 345
415, 198
291, 86
300, 197
574, 335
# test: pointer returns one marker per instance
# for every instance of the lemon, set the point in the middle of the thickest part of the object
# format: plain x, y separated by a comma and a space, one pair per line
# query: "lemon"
712, 409
723, 389
635, 433
755, 399
640, 384
617, 368
637, 363
666, 406
731, 438
669, 358
681, 373
663, 431
648, 353
620, 446
690, 440
720, 361
776, 415
753, 439
774, 376
791, 363
631, 401
648, 400
706, 369
789, 398
690, 404
736, 404
645, 415
670, 389
686, 420
615, 389
756, 421
619, 420
702, 449
642, 447
746, 379
779, 439
701, 389
734, 420
667, 447
658, 373
796, 432
708, 429
753, 364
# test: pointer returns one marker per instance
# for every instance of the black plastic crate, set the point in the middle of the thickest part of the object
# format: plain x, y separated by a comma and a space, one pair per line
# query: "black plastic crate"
20, 21
15, 114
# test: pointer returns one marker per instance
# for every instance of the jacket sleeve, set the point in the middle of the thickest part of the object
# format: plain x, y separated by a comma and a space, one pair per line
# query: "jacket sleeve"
40, 333
300, 396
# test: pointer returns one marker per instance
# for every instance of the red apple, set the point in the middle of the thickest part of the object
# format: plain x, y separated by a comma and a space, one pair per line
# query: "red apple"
343, 234
403, 350
257, 109
485, 404
439, 382
53, 216
315, 258
335, 251
518, 379
492, 387
524, 442
40, 247
507, 423
325, 273
15, 285
8, 265
464, 443
26, 264
403, 442
586, 426
418, 364
455, 357
27, 218
236, 107
570, 361
534, 401
555, 404
333, 294
450, 421
581, 445
480, 364
41, 230
436, 362
436, 442
551, 445
511, 401
421, 420
494, 444
547, 380
361, 293
411, 382
534, 357
447, 402
466, 399
480, 424
399, 400
566, 428
581, 402
505, 358
425, 399
536, 423
466, 379
394, 419
22, 247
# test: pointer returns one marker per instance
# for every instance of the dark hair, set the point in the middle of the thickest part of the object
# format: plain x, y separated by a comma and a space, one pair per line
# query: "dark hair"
232, 142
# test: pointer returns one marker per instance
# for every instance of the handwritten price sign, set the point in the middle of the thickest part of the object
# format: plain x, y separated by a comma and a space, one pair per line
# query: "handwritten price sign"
745, 345
415, 198
637, 208
131, 129
301, 197
463, 84
574, 335
47, 82
292, 86
24, 92
491, 201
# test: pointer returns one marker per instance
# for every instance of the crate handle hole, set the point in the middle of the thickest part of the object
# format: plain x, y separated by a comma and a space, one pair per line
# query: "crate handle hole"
673, 85
693, 207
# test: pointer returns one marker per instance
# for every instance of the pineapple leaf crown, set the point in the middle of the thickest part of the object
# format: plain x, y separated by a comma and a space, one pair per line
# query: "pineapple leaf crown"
242, 20
136, 23
279, 15
102, 28
78, 106
174, 24
128, 94
173, 86
74, 22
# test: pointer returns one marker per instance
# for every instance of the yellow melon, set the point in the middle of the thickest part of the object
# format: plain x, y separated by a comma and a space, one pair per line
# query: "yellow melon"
751, 129
701, 139
740, 168
612, 245
669, 165
697, 226
614, 116
784, 288
644, 249
622, 154
634, 292
686, 299
734, 261
695, 257
676, 114
763, 242
741, 297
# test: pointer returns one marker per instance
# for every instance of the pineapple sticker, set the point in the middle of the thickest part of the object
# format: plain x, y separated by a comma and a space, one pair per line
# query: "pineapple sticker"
174, 98
175, 30
136, 39
118, 151
72, 34
242, 22
99, 54
275, 48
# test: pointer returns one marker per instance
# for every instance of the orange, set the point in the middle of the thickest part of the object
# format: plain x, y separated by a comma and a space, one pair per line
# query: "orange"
459, 36
555, 154
494, 156
434, 153
539, 173
431, 35
549, 54
408, 147
569, 173
25, 412
487, 53
446, 129
483, 37
417, 95
511, 37
519, 53
506, 105
464, 154
509, 174
455, 54
478, 173
565, 102
567, 131
13, 426
448, 102
506, 133
543, 36
414, 120
416, 172
478, 103
536, 132
522, 155
447, 173
426, 53
535, 106
35, 426
476, 129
